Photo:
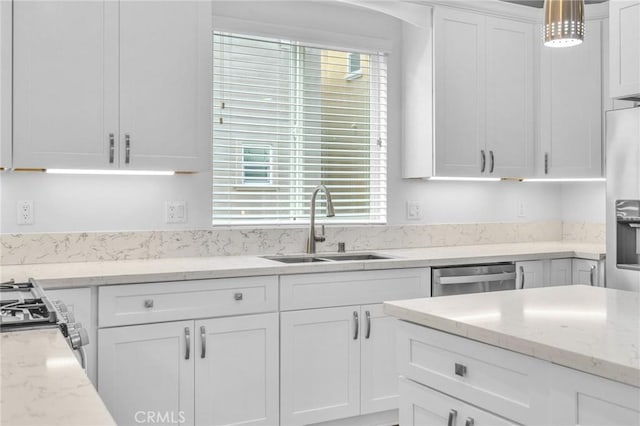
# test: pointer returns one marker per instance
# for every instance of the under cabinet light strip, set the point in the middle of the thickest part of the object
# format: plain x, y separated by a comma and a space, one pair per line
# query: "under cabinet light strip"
111, 172
477, 179
566, 180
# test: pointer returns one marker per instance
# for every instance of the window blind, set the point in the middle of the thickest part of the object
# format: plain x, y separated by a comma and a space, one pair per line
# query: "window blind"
290, 116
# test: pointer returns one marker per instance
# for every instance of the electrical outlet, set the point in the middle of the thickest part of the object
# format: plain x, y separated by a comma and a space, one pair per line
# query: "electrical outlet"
521, 209
25, 212
176, 211
414, 210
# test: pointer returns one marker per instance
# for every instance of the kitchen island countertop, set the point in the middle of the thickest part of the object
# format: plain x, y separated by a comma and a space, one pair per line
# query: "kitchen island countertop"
591, 329
43, 383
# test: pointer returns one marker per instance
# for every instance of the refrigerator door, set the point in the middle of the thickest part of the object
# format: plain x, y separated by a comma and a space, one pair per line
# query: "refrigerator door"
623, 183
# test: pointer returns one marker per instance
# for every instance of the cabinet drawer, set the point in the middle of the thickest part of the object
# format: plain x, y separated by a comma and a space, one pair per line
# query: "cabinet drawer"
421, 405
176, 300
495, 379
305, 291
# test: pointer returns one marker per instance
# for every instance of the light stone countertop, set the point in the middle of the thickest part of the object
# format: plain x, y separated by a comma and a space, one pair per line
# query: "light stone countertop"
78, 274
43, 383
592, 329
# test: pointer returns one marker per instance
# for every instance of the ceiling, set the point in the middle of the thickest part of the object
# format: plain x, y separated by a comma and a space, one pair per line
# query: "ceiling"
540, 3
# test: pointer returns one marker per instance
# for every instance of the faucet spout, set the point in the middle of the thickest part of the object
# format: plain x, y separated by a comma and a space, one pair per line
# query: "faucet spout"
311, 241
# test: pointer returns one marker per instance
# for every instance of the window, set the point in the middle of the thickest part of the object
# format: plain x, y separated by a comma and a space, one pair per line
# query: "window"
286, 120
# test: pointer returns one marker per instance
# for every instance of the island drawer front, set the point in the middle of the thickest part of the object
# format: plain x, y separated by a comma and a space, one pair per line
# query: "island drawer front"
421, 406
307, 291
178, 300
495, 379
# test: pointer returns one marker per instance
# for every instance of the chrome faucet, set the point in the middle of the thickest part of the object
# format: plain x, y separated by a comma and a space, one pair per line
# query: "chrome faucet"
311, 241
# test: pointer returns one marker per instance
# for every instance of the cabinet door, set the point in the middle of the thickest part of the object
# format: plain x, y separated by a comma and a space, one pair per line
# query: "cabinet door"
65, 84
571, 108
560, 272
585, 272
530, 274
624, 54
6, 31
80, 302
509, 95
420, 406
165, 80
379, 369
319, 365
459, 50
148, 369
237, 371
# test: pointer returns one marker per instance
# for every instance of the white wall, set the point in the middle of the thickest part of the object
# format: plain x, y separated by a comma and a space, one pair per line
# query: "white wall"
583, 202
115, 203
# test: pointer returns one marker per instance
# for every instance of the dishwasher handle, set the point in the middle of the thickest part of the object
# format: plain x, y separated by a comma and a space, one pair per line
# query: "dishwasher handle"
471, 279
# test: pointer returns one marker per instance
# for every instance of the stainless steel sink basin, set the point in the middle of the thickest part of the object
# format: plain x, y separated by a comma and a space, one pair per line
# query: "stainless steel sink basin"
363, 256
326, 258
295, 259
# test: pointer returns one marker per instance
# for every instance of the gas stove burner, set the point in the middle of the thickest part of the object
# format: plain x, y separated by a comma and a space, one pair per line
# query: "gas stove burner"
25, 305
12, 286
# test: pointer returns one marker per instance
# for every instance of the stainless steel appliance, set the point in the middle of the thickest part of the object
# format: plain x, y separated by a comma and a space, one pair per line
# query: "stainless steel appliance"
25, 306
473, 278
623, 199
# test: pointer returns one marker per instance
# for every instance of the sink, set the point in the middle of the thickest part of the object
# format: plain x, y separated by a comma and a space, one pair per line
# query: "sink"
295, 259
362, 256
325, 258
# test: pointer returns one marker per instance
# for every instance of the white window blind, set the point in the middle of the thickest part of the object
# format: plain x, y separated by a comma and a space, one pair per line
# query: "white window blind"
290, 116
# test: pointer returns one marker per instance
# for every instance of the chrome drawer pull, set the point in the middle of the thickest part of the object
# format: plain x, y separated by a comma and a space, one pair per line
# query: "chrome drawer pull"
112, 147
127, 148
592, 278
203, 337
521, 277
492, 162
187, 338
461, 370
368, 316
453, 414
483, 161
148, 303
357, 324
238, 296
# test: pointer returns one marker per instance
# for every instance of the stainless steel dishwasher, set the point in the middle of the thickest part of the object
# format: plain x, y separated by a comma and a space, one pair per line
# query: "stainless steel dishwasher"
464, 279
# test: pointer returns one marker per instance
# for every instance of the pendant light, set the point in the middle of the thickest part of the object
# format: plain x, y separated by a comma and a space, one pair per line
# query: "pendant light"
563, 23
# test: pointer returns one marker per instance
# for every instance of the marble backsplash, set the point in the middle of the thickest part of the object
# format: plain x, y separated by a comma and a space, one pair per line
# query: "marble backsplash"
103, 246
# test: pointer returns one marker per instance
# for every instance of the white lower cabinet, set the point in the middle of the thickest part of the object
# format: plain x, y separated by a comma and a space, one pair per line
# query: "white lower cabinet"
587, 272
530, 274
421, 406
553, 272
337, 363
148, 370
208, 372
451, 380
236, 373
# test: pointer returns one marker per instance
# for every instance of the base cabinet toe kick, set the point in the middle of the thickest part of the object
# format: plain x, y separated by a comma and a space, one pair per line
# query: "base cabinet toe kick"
453, 381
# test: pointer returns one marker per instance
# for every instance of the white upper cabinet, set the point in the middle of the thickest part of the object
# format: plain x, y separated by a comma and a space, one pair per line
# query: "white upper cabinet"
624, 56
108, 85
483, 95
459, 74
571, 108
63, 105
5, 82
509, 98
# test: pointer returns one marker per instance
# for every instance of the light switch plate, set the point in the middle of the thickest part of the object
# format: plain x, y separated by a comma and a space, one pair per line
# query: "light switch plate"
414, 210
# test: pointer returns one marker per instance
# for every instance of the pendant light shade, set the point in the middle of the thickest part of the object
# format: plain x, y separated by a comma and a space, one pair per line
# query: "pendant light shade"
563, 22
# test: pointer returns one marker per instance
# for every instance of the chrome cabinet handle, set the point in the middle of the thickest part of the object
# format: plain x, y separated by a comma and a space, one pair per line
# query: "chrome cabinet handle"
492, 161
521, 277
203, 337
238, 296
357, 325
453, 414
368, 316
546, 163
127, 148
592, 279
483, 161
187, 338
460, 370
148, 303
469, 422
112, 147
